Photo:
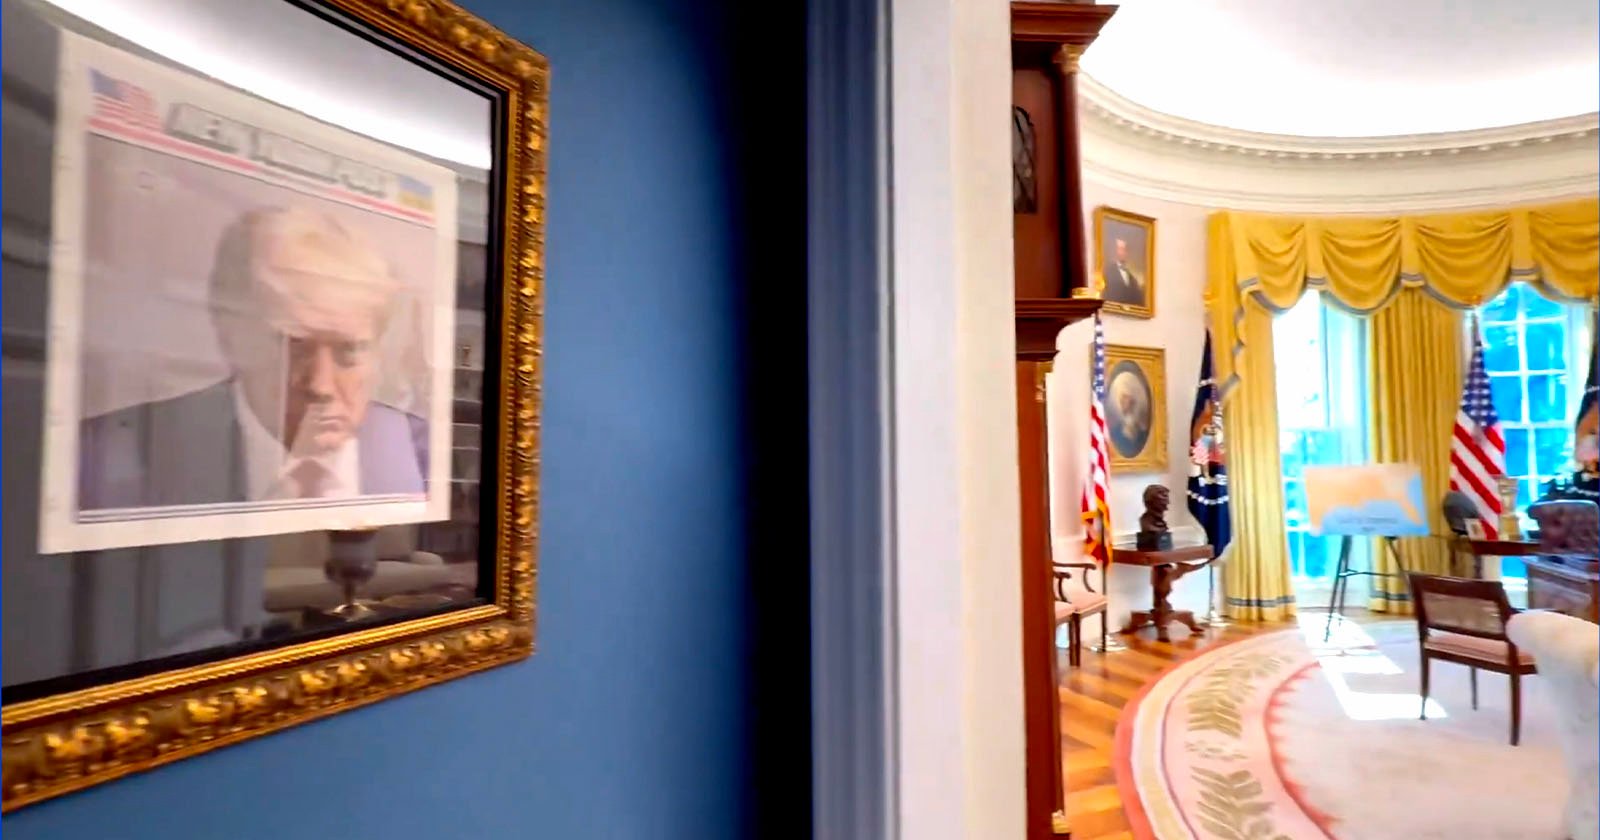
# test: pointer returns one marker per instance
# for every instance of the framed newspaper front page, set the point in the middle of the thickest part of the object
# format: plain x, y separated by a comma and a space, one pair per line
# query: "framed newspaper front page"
271, 368
253, 317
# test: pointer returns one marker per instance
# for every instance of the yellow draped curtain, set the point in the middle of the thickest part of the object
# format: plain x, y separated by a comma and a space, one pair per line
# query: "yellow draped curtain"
1414, 348
1414, 274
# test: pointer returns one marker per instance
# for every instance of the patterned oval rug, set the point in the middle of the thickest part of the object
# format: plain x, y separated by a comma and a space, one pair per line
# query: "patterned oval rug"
1282, 737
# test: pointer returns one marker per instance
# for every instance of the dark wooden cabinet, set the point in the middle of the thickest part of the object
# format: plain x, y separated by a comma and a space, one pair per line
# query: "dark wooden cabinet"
1573, 589
1052, 291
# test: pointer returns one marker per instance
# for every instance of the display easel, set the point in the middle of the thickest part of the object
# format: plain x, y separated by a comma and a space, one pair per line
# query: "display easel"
1363, 501
1341, 578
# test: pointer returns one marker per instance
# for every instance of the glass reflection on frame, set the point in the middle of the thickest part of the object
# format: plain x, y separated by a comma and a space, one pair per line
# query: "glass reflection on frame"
248, 311
197, 363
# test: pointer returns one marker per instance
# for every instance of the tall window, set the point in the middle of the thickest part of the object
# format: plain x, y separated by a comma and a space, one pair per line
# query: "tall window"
1535, 350
1322, 414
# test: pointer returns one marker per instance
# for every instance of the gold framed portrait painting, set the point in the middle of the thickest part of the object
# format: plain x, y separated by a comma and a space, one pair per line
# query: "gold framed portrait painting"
273, 383
1125, 262
1136, 408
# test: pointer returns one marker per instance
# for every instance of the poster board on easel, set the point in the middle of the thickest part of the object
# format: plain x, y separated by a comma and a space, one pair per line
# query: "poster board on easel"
1368, 500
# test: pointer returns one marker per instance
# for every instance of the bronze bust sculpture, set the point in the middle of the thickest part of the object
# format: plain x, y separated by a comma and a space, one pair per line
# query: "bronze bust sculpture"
1153, 534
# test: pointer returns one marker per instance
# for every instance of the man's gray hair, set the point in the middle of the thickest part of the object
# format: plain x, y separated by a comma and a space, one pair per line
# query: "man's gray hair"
234, 268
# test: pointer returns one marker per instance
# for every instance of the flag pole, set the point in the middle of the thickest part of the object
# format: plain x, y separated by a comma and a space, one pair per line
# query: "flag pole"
1112, 643
1096, 504
1214, 618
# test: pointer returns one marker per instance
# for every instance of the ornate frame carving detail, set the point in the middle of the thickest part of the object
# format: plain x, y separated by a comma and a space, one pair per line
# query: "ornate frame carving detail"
71, 741
1152, 362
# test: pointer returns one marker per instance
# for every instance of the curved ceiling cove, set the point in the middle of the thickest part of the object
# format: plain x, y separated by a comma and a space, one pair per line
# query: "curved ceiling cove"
1353, 68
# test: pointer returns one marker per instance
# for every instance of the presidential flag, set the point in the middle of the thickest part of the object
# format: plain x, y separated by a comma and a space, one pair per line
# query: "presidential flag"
1096, 488
1208, 464
1478, 448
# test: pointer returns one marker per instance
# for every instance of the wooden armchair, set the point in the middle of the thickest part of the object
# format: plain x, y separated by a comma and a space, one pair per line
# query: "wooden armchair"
1464, 621
1072, 607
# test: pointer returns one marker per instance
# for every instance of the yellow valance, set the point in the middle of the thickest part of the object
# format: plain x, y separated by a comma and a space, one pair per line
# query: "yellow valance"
1464, 259
1362, 263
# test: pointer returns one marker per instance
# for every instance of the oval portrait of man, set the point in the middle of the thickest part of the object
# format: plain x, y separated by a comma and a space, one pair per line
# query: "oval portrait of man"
1128, 403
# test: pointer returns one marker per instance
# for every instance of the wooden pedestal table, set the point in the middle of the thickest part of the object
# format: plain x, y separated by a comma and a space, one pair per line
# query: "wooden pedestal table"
1165, 569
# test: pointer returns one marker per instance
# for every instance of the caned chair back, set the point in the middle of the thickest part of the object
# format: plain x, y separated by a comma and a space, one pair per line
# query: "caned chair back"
1460, 605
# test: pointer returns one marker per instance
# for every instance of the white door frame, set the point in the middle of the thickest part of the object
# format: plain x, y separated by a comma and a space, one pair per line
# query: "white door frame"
916, 590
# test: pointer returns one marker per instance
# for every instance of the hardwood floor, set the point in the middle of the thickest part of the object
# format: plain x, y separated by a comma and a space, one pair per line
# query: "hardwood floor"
1092, 697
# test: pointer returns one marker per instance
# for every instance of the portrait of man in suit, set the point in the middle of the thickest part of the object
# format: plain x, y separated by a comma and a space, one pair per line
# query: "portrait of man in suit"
1124, 281
299, 303
1125, 249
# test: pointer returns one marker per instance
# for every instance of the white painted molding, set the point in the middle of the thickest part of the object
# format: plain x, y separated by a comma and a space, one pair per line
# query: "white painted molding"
1137, 150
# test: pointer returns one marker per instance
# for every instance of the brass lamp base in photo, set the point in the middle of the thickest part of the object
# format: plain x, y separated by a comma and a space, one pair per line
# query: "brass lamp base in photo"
352, 561
1510, 524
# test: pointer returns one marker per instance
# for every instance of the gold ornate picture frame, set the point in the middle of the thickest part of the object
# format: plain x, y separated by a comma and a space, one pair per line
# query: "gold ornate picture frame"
1125, 262
91, 725
1136, 408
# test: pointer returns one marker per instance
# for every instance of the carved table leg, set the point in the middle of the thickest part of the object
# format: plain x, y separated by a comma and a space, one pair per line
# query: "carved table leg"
1187, 619
1139, 620
1184, 617
1161, 612
1160, 608
1161, 580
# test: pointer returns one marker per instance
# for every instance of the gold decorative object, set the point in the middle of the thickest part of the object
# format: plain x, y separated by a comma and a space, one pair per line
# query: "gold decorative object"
131, 730
1136, 408
352, 562
1067, 57
1510, 524
65, 742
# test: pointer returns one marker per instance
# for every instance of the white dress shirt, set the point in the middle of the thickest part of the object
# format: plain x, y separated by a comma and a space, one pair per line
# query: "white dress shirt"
272, 473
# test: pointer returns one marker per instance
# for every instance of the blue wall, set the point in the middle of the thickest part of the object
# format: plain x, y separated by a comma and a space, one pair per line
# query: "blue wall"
631, 720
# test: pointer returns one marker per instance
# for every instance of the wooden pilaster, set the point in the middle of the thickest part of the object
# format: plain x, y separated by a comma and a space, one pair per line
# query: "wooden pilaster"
1052, 291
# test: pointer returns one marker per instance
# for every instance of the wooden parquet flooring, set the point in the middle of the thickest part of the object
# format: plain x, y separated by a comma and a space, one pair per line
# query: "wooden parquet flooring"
1092, 698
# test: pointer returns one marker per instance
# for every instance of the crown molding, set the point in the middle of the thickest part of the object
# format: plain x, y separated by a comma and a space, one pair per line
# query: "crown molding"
1106, 105
1145, 152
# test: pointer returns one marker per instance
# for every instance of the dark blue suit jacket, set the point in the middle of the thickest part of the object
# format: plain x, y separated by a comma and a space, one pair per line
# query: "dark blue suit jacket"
188, 450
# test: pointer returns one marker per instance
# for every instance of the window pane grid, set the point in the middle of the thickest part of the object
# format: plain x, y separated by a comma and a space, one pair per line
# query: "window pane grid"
1530, 383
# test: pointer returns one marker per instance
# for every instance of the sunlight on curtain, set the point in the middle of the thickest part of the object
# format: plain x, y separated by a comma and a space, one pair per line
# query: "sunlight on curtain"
1320, 355
1416, 363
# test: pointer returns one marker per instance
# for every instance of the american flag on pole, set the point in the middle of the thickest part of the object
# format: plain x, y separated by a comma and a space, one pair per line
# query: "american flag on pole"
1096, 489
1478, 449
123, 101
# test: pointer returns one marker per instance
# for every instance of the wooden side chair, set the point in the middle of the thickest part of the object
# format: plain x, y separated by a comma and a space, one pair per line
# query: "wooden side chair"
1462, 620
1072, 608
